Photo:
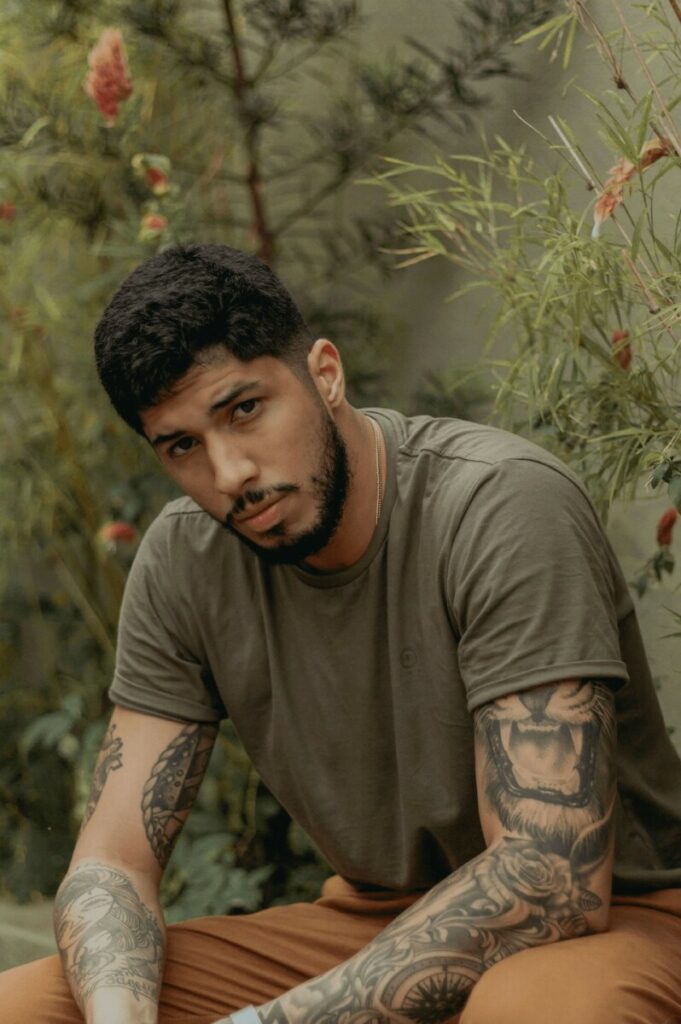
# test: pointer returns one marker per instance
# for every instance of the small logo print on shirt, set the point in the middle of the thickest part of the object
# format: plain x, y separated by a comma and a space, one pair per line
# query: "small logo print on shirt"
408, 657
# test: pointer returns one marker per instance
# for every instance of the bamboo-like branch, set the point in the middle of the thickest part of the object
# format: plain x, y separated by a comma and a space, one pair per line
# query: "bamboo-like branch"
573, 153
83, 604
676, 9
604, 48
653, 305
664, 109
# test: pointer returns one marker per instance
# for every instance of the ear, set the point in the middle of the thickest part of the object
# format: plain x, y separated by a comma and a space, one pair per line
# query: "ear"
326, 369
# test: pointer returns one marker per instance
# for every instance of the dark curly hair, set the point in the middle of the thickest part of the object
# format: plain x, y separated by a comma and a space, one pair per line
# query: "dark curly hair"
183, 300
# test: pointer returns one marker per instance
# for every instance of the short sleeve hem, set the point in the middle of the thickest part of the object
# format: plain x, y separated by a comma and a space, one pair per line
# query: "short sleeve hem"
178, 708
494, 689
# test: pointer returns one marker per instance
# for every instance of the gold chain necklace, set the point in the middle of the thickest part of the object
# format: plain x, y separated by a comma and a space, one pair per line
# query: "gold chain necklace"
378, 445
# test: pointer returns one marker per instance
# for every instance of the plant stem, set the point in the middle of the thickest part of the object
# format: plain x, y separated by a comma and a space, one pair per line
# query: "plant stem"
241, 87
573, 152
671, 127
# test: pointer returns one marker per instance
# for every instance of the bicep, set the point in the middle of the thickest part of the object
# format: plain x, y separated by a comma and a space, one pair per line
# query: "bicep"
145, 781
545, 768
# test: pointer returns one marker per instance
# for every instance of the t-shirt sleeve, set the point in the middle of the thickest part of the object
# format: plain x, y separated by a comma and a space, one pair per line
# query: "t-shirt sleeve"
531, 585
160, 669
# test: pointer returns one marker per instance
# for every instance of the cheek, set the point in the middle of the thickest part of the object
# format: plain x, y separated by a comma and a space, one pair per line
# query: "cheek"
294, 455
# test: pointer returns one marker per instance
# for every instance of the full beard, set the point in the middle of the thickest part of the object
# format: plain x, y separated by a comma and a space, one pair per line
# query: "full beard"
330, 485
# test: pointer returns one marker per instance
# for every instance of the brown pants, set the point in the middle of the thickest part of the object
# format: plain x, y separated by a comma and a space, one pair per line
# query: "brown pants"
628, 975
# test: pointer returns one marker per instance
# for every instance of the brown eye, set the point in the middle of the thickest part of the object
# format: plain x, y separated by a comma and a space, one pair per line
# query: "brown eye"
181, 447
246, 408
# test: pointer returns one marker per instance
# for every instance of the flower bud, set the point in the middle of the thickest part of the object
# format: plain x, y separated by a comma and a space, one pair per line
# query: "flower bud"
116, 531
622, 353
665, 527
153, 225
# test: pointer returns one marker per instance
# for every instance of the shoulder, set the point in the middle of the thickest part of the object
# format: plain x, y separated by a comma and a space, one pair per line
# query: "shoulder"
183, 542
449, 440
183, 524
462, 462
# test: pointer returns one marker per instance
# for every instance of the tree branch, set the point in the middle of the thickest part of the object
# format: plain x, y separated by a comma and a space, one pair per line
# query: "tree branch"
242, 87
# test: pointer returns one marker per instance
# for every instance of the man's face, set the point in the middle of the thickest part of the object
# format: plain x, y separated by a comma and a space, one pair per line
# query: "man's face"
257, 449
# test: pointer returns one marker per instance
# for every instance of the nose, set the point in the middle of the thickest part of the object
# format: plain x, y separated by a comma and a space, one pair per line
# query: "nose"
233, 470
536, 700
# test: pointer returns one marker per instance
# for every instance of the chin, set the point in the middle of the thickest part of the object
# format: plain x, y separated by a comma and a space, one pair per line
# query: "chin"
280, 546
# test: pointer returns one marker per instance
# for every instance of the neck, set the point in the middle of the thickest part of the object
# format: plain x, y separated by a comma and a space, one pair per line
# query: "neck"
358, 522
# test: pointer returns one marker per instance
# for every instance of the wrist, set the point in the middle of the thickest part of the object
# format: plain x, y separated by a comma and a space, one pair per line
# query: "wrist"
117, 1006
248, 1015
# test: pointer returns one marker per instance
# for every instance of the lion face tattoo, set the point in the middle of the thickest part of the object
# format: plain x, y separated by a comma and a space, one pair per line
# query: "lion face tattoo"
545, 747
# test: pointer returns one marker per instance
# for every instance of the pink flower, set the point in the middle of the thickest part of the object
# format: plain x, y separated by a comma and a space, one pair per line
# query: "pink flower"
8, 211
618, 176
665, 527
622, 353
108, 80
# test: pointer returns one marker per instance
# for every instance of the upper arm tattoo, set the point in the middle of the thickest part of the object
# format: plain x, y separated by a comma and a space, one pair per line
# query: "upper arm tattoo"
172, 787
110, 760
548, 772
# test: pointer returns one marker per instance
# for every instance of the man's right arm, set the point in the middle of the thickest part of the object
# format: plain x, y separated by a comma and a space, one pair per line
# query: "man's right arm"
108, 920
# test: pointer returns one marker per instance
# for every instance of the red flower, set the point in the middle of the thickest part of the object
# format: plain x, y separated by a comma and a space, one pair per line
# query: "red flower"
665, 527
8, 211
622, 353
117, 530
108, 80
153, 225
622, 172
157, 180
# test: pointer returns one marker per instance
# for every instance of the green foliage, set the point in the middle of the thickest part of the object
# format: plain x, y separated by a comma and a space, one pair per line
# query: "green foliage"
584, 340
248, 123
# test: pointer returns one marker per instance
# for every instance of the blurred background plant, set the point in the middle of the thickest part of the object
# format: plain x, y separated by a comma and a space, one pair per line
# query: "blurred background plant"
127, 125
585, 336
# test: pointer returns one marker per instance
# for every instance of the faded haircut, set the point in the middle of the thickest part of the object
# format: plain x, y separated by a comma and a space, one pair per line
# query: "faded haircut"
184, 300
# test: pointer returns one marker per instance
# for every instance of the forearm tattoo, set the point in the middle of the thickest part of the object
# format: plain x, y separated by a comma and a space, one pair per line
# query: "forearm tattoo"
548, 777
107, 937
110, 760
172, 787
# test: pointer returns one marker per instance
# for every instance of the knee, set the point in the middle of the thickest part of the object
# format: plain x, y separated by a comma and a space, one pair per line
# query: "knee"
523, 988
37, 992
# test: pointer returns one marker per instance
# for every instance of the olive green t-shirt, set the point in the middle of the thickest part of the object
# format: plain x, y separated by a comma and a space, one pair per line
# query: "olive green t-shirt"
353, 691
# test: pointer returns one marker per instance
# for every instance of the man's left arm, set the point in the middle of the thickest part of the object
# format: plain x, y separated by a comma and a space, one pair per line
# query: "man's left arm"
546, 786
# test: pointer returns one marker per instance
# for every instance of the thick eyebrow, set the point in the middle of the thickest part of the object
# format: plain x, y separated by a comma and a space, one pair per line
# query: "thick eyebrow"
227, 399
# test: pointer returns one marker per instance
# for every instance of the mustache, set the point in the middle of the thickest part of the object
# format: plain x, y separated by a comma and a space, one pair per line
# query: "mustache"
248, 498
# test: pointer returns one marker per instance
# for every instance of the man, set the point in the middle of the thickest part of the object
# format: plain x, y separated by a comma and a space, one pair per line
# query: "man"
429, 651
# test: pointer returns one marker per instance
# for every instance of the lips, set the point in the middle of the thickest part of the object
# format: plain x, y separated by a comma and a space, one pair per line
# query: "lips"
263, 517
